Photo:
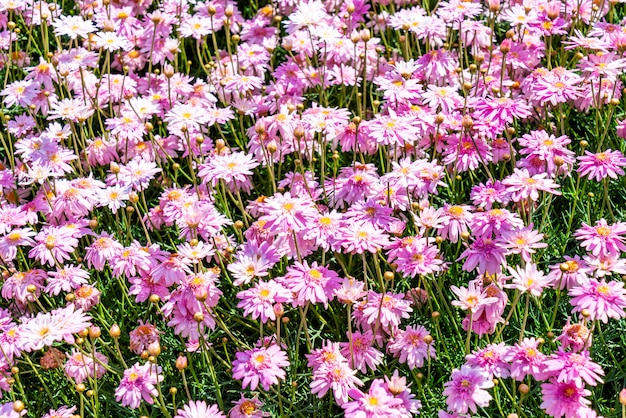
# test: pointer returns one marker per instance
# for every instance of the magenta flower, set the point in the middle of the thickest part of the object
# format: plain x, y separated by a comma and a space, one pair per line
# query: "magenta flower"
528, 279
264, 365
138, 383
377, 402
486, 254
466, 390
602, 238
386, 310
314, 283
361, 352
410, 347
259, 300
471, 298
565, 399
523, 186
248, 408
490, 359
569, 366
523, 241
601, 165
602, 299
199, 409
526, 359
337, 376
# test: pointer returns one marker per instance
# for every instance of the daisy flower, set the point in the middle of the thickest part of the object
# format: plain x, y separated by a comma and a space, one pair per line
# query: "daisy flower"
602, 299
565, 399
263, 365
526, 359
361, 352
199, 409
335, 375
602, 238
410, 347
467, 389
523, 186
377, 402
138, 383
248, 408
259, 300
601, 165
528, 279
569, 366
523, 241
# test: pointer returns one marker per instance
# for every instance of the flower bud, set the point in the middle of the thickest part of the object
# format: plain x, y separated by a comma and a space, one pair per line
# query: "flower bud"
181, 363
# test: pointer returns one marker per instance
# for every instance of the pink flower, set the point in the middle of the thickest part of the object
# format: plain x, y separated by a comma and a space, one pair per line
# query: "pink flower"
574, 275
386, 310
602, 239
54, 244
262, 365
569, 366
455, 219
490, 359
472, 298
285, 213
314, 284
601, 165
376, 403
248, 408
199, 409
565, 399
81, 366
526, 359
260, 299
360, 351
602, 299
523, 241
138, 383
575, 336
466, 390
360, 237
528, 279
410, 347
486, 254
335, 375
523, 186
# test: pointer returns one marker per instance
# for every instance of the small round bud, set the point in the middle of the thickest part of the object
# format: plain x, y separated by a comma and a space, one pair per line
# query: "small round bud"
154, 298
89, 393
94, 332
152, 359
198, 317
133, 197
115, 331
584, 144
173, 391
194, 242
439, 119
31, 288
70, 297
438, 239
435, 315
154, 348
279, 310
15, 370
465, 235
564, 267
512, 415
458, 177
80, 388
590, 195
84, 333
144, 355
467, 122
550, 335
420, 375
93, 223
428, 339
523, 389
181, 363
586, 313
506, 157
622, 397
559, 161
18, 406
114, 167
356, 120
388, 275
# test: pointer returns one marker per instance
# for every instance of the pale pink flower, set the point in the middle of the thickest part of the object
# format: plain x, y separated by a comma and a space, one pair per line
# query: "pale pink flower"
467, 389
263, 365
